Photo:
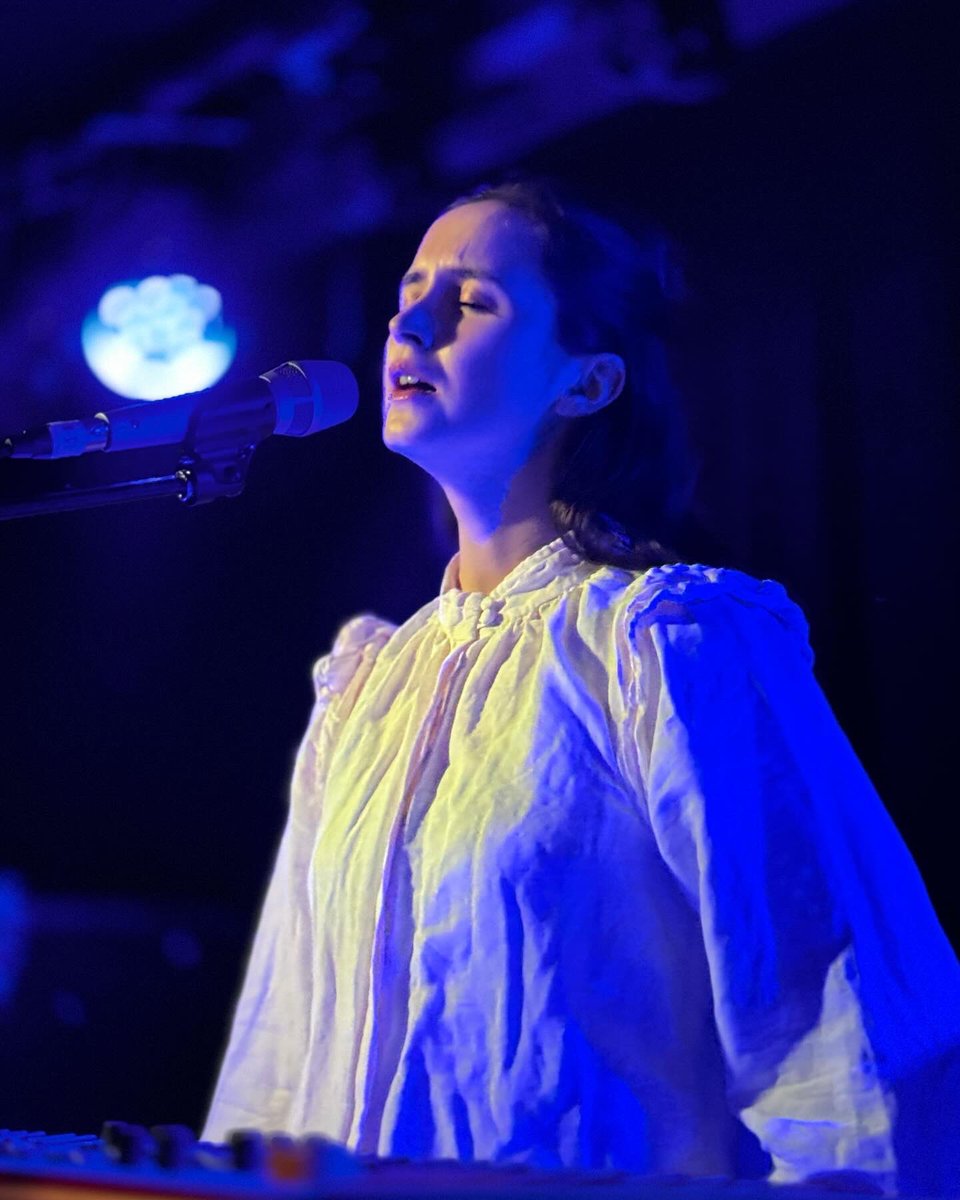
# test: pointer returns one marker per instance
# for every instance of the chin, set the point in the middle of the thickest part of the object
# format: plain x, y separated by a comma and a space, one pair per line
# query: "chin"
404, 426
400, 441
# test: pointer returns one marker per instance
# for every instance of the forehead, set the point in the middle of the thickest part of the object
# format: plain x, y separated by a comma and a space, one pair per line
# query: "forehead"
486, 236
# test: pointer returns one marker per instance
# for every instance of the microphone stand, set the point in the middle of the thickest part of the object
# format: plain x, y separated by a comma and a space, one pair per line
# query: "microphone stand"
93, 497
215, 458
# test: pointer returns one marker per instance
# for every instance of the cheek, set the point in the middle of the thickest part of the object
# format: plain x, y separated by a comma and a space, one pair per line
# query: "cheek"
505, 367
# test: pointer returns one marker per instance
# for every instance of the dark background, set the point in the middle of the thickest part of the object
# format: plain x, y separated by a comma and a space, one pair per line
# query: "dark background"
155, 670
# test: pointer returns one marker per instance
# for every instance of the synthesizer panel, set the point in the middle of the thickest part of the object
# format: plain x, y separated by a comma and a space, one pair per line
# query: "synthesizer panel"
167, 1162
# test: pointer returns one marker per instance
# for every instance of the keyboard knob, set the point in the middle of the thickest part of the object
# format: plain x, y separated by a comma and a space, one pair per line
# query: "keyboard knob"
248, 1149
175, 1145
127, 1143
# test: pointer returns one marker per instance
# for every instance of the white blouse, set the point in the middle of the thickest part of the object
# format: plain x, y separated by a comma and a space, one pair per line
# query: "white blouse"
575, 874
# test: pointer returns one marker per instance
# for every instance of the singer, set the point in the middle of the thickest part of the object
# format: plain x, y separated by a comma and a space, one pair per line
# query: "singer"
579, 868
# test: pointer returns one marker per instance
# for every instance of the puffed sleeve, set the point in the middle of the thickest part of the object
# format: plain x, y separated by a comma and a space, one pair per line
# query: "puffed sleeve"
836, 993
268, 1037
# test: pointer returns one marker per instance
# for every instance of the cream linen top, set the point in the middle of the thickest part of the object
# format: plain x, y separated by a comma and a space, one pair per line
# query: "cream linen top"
578, 872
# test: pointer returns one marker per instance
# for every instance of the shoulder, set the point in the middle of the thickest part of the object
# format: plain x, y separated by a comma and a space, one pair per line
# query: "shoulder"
711, 604
356, 645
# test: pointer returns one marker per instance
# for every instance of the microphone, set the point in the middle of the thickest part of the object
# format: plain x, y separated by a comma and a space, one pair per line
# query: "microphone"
294, 399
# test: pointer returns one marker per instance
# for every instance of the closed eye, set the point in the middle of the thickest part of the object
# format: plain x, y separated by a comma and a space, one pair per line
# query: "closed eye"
478, 307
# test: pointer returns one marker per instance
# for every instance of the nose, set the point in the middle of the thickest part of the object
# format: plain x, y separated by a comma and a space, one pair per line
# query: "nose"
412, 324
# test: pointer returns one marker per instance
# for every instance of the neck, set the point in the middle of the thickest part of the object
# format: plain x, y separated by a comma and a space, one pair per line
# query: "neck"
499, 525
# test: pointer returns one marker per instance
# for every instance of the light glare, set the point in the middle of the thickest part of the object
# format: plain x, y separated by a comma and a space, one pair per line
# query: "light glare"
163, 336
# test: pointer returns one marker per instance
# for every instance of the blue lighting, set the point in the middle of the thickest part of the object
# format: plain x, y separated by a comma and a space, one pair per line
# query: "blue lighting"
163, 336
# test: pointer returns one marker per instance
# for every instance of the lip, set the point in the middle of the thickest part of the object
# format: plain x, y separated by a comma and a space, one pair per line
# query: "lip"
405, 396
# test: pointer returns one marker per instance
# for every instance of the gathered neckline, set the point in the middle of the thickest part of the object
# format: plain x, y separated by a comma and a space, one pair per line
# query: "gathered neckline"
542, 575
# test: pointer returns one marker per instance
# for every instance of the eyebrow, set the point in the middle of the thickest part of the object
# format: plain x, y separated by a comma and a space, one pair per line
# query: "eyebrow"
457, 272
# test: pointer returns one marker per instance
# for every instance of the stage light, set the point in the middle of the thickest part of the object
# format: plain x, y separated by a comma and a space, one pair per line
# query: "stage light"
161, 336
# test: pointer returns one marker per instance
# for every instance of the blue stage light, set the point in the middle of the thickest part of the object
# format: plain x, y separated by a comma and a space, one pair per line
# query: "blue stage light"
163, 336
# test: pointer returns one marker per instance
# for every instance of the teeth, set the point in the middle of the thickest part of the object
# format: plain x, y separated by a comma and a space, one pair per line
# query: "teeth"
412, 381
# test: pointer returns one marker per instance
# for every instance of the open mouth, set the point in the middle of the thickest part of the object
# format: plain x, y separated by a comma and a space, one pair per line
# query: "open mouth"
406, 384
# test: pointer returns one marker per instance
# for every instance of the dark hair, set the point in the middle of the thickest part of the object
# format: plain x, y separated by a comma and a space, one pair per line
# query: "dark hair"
624, 473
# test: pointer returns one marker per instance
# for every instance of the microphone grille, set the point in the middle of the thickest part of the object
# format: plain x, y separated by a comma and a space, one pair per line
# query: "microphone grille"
311, 394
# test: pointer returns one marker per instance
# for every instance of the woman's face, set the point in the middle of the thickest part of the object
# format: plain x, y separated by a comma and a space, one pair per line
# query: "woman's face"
477, 323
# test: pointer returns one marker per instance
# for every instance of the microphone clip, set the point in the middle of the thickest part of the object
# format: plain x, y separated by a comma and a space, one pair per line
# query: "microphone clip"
219, 446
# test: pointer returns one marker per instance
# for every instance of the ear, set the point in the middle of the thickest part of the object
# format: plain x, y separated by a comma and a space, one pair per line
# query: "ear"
600, 382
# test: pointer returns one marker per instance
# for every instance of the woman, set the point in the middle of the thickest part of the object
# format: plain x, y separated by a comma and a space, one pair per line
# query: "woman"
579, 869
